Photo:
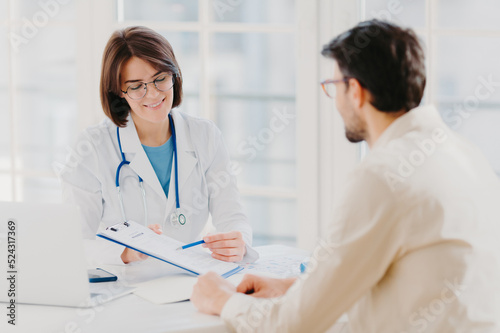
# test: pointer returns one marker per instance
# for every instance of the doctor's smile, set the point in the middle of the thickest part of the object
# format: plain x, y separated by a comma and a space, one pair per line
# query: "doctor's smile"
156, 105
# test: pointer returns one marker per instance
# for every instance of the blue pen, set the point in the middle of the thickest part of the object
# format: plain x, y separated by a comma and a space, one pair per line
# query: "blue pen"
190, 245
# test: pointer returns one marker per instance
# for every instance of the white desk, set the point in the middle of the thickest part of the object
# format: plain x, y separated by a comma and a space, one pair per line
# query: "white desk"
129, 313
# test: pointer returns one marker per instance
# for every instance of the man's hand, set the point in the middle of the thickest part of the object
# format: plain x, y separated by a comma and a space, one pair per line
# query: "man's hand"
129, 255
211, 292
228, 246
265, 287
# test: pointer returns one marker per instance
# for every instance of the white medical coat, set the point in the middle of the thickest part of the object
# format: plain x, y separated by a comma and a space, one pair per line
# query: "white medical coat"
207, 184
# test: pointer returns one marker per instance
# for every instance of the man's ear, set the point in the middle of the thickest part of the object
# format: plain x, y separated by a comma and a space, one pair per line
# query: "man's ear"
358, 93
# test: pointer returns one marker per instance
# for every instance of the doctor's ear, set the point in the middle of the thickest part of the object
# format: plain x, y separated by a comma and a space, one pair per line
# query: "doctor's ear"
118, 105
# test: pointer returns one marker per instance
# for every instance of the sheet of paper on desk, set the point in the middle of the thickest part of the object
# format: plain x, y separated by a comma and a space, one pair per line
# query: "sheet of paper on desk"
284, 267
278, 260
162, 247
175, 288
168, 289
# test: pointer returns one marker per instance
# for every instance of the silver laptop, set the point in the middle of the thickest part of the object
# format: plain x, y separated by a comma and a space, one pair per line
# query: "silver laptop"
42, 258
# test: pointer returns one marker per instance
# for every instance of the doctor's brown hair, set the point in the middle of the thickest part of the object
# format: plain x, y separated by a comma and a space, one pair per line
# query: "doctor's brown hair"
124, 44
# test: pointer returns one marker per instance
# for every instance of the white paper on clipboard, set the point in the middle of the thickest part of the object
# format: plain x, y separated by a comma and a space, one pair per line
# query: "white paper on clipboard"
140, 238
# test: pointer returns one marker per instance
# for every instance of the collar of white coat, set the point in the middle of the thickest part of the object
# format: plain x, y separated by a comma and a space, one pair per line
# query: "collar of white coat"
417, 118
139, 162
130, 139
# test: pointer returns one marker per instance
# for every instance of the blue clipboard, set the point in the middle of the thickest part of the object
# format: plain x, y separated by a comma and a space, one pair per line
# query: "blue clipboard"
225, 275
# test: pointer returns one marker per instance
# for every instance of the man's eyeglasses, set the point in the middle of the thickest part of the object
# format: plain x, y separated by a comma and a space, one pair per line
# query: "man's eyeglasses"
162, 83
329, 86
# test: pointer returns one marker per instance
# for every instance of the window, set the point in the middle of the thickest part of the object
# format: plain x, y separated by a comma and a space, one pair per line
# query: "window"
38, 87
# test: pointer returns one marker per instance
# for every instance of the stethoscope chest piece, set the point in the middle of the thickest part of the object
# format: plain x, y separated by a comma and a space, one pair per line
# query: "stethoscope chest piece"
177, 219
182, 219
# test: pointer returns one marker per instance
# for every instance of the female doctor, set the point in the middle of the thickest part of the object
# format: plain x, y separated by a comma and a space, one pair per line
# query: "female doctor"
151, 164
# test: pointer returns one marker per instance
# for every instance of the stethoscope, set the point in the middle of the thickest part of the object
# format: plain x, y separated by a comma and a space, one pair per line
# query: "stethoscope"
176, 218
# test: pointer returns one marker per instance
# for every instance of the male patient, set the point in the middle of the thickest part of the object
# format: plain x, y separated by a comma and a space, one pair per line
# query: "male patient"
411, 246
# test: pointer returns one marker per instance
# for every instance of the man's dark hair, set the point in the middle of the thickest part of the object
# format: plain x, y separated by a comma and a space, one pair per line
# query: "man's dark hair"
387, 60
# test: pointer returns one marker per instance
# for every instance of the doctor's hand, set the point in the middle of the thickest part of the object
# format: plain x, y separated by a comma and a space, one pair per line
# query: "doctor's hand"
211, 292
259, 286
228, 246
129, 255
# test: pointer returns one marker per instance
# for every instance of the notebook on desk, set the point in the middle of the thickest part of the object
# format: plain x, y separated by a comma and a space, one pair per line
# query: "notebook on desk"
193, 260
41, 251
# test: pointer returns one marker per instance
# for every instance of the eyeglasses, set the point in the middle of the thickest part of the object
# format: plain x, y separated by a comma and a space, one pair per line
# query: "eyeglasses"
162, 83
329, 86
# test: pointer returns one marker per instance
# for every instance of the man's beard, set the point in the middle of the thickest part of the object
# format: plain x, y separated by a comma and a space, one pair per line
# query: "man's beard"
355, 136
